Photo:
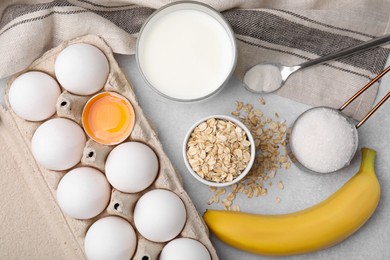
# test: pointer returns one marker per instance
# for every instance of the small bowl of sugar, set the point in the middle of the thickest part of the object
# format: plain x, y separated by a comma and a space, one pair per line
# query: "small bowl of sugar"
186, 51
323, 140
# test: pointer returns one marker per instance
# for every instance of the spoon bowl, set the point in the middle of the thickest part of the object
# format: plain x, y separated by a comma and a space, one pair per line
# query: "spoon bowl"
269, 77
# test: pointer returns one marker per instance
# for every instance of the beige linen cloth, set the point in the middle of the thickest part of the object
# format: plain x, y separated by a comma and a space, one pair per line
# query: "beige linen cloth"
287, 32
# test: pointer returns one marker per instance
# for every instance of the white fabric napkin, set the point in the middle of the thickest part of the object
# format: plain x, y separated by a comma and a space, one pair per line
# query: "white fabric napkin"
286, 32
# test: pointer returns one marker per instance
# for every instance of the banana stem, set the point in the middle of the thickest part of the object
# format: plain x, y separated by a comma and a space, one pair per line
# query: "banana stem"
368, 159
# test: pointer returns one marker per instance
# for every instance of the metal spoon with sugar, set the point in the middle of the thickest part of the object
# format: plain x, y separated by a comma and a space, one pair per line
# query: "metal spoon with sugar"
324, 140
268, 77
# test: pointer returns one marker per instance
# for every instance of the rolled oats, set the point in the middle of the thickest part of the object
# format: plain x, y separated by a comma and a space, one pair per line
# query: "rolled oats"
280, 185
235, 207
218, 150
271, 138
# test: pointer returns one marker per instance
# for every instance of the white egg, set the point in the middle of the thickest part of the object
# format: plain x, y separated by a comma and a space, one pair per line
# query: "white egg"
83, 193
110, 238
184, 248
131, 167
58, 144
82, 69
33, 95
159, 215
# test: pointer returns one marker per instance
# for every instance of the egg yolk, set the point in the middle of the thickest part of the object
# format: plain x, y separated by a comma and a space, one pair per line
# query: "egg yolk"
108, 118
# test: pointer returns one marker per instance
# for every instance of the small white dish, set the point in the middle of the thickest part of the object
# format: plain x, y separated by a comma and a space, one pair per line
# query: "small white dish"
243, 173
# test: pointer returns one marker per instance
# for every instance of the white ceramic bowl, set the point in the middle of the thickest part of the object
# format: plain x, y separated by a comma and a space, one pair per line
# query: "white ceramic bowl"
252, 151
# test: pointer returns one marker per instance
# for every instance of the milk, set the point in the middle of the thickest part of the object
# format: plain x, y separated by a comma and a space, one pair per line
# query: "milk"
186, 54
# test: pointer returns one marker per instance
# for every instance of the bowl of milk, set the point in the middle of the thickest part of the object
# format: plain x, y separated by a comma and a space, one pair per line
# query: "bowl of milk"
186, 51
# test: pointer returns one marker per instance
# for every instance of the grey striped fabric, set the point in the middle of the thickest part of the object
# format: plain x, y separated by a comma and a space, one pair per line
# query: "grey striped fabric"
268, 27
274, 34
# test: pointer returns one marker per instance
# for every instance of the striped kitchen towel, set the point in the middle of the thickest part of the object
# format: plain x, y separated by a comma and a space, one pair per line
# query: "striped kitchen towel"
286, 32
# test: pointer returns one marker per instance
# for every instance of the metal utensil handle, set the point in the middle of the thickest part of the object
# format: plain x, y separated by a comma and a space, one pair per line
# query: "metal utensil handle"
348, 51
372, 111
369, 84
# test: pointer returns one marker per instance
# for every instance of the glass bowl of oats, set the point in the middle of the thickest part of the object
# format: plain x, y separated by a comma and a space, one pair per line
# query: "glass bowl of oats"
219, 150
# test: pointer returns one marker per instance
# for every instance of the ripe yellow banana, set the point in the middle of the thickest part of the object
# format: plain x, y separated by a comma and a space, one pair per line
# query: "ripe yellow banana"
314, 228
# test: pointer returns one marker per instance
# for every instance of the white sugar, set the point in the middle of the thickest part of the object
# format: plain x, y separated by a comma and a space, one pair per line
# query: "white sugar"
323, 141
263, 78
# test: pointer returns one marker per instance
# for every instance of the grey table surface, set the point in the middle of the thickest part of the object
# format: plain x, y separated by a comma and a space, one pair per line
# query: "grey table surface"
172, 120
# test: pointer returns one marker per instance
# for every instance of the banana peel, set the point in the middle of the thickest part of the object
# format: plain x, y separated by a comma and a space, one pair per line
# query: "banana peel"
308, 230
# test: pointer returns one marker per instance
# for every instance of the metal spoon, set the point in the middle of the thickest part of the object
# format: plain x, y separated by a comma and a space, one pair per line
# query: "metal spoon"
277, 74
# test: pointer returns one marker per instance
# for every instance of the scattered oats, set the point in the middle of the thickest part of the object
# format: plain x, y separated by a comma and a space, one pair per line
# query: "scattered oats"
271, 173
262, 101
287, 165
271, 137
239, 105
235, 113
248, 108
288, 133
212, 188
278, 199
231, 196
226, 202
240, 188
214, 199
235, 207
257, 191
283, 159
220, 191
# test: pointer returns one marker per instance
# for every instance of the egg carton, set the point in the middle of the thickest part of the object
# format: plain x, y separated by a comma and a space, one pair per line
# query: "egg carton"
121, 204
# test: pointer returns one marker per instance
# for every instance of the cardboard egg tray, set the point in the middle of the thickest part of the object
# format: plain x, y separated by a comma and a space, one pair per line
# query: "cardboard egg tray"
121, 204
